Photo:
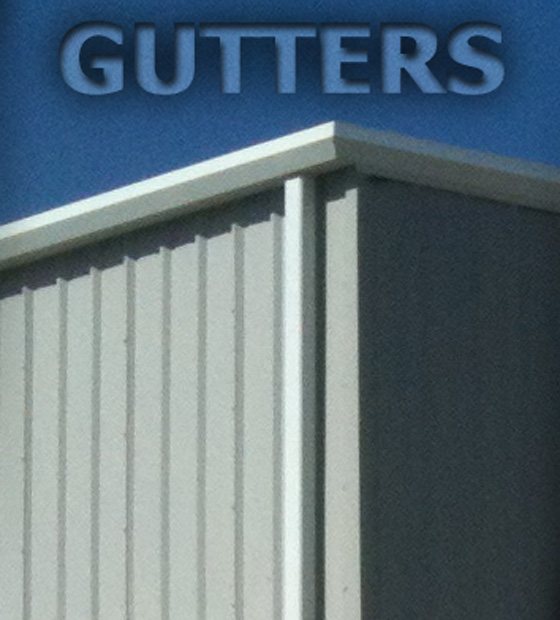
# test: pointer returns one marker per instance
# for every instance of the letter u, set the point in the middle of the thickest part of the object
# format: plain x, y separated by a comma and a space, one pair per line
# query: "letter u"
145, 49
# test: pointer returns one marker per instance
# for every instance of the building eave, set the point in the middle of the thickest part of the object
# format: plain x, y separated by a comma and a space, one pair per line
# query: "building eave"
441, 166
319, 149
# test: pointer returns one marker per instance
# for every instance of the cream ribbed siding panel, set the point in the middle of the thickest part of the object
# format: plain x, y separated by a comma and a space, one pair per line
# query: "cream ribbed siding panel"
48, 375
109, 444
262, 426
341, 194
77, 428
186, 376
12, 453
140, 429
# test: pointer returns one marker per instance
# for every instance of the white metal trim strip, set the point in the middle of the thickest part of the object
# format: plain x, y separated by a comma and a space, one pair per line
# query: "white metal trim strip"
321, 148
465, 171
169, 195
299, 400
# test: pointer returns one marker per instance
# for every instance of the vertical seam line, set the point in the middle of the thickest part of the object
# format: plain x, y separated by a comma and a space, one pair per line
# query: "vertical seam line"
28, 453
201, 431
277, 223
165, 429
130, 403
62, 287
95, 440
239, 335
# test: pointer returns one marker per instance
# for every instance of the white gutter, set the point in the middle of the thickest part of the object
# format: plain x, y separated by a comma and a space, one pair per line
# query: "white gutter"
322, 148
175, 193
441, 166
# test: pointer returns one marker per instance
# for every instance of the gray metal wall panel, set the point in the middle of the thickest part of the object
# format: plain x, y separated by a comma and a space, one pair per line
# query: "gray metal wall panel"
152, 474
222, 375
47, 372
459, 366
260, 432
12, 454
148, 466
109, 446
341, 194
75, 452
186, 375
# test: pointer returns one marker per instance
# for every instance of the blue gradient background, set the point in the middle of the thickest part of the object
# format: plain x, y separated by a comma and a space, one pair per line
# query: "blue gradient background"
59, 146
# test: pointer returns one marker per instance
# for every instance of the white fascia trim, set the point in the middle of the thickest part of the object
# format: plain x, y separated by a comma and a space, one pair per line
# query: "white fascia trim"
311, 151
168, 195
465, 171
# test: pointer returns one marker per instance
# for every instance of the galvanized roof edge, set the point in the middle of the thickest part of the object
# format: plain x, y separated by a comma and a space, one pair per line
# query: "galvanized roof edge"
321, 148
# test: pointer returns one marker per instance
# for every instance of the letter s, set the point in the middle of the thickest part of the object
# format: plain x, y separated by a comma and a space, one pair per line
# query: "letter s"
111, 66
460, 51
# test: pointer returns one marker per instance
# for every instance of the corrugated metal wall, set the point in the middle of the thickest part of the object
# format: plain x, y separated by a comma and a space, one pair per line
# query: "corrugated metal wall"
140, 445
144, 390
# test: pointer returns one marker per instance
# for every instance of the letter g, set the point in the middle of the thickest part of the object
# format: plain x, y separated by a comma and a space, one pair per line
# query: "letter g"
111, 66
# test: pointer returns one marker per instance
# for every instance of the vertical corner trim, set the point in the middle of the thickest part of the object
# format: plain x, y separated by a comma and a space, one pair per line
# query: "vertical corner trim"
299, 400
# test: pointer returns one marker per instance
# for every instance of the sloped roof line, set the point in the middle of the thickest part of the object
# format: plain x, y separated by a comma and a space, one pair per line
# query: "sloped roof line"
322, 148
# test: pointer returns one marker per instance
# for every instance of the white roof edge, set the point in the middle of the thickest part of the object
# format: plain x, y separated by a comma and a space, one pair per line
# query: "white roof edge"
442, 166
181, 191
320, 148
